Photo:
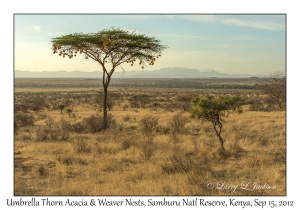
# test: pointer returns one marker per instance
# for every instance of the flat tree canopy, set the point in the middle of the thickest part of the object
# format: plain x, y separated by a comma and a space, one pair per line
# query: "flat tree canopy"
110, 48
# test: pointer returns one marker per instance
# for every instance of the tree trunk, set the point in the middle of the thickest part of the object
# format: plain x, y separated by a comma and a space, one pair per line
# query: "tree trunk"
221, 142
105, 82
104, 124
219, 124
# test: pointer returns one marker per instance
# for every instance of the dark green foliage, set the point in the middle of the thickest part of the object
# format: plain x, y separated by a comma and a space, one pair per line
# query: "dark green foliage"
213, 109
61, 107
155, 105
69, 111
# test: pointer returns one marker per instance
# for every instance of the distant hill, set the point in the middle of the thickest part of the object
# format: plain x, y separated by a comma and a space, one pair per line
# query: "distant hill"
168, 72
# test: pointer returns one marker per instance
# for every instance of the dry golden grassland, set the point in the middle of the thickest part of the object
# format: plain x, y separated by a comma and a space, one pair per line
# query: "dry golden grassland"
124, 160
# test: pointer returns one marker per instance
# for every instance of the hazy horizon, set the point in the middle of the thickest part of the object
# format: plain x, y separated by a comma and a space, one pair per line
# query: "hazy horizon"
233, 44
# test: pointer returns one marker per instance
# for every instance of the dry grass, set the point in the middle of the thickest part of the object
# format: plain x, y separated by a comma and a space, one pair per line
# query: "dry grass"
123, 161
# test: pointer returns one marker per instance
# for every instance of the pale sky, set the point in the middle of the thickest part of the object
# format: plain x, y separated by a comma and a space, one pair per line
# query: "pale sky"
235, 44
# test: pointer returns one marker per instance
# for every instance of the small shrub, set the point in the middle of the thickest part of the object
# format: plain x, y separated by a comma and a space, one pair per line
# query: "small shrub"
200, 171
21, 107
165, 129
65, 125
280, 155
127, 142
178, 122
61, 107
81, 146
97, 148
147, 148
92, 124
24, 119
264, 141
126, 118
183, 101
69, 111
26, 138
64, 129
42, 116
16, 127
180, 164
54, 131
173, 137
149, 124
66, 160
74, 116
125, 107
43, 134
42, 170
78, 127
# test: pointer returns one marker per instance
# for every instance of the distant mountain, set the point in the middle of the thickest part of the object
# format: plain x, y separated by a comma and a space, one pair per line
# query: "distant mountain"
168, 72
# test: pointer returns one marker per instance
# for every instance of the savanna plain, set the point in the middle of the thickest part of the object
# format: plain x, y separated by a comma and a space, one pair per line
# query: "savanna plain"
152, 146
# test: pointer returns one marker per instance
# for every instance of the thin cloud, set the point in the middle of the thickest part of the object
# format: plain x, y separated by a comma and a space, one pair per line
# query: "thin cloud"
37, 28
259, 24
184, 36
265, 22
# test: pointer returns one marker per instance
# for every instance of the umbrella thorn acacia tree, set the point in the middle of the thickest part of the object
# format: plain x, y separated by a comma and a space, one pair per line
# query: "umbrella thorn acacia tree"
110, 48
212, 109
